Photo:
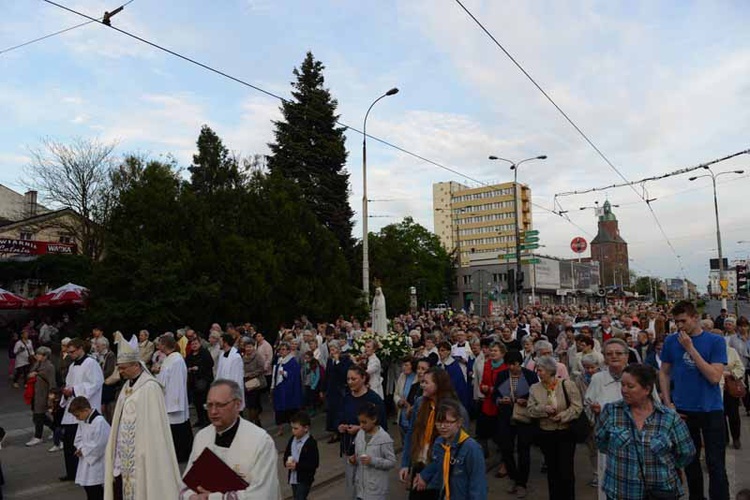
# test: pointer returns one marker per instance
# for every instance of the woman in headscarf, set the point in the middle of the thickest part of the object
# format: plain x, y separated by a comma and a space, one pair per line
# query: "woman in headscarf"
286, 386
334, 386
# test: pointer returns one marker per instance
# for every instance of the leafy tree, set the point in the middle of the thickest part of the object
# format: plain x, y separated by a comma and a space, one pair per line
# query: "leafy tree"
407, 254
309, 149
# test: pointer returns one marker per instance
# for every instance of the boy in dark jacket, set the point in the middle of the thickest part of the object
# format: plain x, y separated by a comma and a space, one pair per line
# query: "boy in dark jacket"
301, 456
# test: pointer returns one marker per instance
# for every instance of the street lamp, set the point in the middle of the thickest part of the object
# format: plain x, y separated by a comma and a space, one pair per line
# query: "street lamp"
718, 229
365, 246
517, 298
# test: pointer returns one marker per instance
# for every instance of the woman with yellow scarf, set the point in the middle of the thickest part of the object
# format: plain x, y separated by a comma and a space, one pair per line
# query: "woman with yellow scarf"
457, 460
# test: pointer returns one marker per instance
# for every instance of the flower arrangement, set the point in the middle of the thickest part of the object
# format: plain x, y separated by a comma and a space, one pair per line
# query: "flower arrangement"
392, 348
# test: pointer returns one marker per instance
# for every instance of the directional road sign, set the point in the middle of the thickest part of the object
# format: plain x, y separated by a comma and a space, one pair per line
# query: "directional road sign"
531, 261
508, 256
531, 239
532, 232
530, 246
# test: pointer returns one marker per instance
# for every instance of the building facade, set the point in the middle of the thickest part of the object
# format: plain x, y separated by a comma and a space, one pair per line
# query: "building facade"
479, 221
610, 251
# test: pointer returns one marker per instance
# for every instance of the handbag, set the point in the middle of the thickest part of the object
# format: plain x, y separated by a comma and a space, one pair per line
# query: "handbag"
650, 494
256, 383
735, 387
580, 425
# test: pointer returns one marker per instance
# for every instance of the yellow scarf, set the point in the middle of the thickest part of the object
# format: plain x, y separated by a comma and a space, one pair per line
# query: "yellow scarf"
427, 439
462, 436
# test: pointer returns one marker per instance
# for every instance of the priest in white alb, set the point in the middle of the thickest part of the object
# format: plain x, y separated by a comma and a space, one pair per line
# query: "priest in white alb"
246, 448
231, 366
173, 377
140, 462
85, 378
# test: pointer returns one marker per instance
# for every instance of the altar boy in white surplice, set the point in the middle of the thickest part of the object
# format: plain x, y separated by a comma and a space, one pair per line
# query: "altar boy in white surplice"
140, 457
90, 443
245, 448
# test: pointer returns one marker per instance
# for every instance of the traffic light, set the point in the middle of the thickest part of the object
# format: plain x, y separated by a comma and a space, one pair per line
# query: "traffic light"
519, 281
511, 280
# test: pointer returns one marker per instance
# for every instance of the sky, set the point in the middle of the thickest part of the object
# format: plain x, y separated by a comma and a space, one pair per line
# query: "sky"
657, 86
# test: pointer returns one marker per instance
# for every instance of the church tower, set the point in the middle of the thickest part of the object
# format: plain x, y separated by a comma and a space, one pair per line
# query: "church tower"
610, 250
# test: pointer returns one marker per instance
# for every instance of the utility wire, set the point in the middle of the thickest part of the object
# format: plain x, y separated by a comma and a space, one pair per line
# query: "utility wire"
71, 28
571, 122
284, 100
261, 90
545, 94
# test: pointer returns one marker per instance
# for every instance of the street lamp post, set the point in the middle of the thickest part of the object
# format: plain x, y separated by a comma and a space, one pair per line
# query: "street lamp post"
718, 228
365, 246
517, 298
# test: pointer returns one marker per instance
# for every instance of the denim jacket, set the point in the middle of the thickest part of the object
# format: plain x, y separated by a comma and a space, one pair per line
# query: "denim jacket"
468, 476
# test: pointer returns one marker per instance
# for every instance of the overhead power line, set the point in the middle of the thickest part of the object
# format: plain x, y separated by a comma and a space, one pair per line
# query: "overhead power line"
572, 123
71, 28
284, 100
655, 177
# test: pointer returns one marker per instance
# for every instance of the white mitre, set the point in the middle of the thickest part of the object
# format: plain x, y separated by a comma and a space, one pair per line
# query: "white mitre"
126, 353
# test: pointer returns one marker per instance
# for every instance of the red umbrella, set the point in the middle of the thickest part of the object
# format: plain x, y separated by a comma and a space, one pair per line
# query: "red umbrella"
66, 295
10, 300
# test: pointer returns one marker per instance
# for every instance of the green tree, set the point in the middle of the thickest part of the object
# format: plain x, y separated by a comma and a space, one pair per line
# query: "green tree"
407, 254
310, 150
214, 167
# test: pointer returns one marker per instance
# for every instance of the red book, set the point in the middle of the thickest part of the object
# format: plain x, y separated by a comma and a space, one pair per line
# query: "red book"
212, 474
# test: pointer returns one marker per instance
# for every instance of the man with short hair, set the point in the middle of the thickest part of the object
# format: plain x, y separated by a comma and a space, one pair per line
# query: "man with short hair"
85, 378
265, 351
140, 462
231, 366
605, 331
173, 377
244, 447
719, 321
693, 360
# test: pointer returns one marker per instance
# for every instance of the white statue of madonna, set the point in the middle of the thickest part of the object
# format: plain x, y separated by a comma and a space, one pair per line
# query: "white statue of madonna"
379, 318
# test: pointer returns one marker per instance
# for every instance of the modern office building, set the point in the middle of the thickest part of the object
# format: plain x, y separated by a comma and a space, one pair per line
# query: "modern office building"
479, 221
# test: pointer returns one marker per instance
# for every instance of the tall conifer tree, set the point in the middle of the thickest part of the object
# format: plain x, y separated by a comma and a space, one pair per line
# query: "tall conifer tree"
310, 150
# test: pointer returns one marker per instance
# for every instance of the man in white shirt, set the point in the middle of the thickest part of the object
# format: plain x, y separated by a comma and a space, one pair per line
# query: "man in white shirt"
173, 377
85, 378
231, 366
244, 447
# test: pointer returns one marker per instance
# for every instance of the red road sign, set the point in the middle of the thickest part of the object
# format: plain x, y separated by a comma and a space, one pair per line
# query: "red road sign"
578, 244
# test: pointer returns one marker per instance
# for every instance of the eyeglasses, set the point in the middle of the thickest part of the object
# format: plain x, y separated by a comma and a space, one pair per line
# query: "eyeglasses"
218, 406
446, 423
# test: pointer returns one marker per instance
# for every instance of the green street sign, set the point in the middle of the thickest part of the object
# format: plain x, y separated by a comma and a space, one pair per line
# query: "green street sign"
530, 246
508, 256
533, 232
531, 239
531, 261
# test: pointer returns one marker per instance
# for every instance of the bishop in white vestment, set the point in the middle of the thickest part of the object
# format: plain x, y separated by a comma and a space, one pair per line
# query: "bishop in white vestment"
140, 460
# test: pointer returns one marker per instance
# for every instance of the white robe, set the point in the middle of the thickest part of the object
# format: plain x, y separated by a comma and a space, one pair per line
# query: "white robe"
173, 377
376, 379
232, 368
379, 315
86, 380
143, 442
252, 456
91, 439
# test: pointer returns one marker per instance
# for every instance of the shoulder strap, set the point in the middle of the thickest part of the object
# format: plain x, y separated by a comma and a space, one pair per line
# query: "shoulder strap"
638, 454
565, 392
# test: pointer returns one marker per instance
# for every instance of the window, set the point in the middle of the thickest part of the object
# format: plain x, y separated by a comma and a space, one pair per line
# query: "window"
65, 238
25, 235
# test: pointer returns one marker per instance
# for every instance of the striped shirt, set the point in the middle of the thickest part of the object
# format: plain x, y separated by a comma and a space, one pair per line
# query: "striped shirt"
656, 451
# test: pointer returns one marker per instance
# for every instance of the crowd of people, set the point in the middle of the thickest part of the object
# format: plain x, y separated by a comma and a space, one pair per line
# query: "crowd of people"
642, 389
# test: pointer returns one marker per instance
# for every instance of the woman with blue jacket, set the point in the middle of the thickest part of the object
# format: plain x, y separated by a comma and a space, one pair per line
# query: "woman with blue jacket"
457, 469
